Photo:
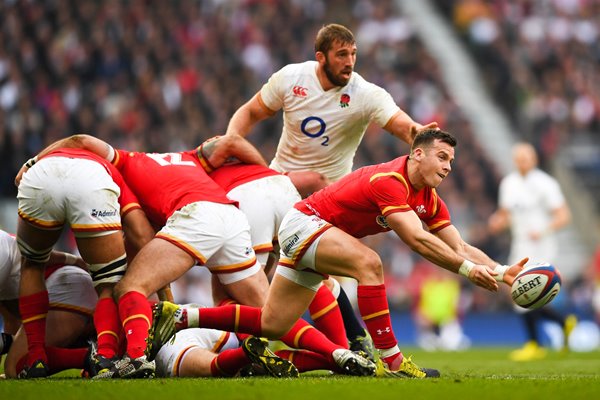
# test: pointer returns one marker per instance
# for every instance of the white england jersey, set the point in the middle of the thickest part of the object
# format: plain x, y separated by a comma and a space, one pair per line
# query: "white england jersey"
531, 200
322, 129
10, 267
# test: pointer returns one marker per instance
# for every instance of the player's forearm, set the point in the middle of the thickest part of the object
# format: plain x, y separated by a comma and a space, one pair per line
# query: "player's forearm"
474, 254
233, 146
436, 251
401, 126
247, 116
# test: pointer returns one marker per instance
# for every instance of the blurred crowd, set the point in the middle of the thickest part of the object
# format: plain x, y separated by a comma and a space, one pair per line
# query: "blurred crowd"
164, 76
540, 60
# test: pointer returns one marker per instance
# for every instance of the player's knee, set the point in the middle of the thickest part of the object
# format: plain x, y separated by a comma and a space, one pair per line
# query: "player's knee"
273, 330
370, 268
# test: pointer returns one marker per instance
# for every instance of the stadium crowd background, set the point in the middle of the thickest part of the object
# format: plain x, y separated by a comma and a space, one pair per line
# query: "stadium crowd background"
164, 76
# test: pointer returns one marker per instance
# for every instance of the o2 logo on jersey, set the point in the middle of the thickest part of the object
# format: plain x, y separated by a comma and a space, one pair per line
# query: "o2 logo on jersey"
317, 127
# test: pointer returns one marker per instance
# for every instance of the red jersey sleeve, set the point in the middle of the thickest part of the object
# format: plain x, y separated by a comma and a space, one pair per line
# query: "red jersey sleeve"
390, 192
441, 216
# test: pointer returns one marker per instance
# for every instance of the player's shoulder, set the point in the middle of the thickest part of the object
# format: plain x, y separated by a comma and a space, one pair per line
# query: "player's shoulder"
303, 68
360, 82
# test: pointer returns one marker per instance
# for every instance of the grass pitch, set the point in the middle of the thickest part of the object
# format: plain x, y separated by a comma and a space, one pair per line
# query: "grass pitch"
482, 373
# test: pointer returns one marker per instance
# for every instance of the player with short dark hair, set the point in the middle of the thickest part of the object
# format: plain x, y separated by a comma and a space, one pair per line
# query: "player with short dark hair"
197, 224
327, 108
320, 234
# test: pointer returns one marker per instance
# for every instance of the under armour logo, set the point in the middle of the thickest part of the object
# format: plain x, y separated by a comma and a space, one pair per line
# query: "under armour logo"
382, 331
300, 91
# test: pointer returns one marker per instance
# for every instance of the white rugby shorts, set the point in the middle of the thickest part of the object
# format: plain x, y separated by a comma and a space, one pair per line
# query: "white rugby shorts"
171, 355
70, 288
217, 236
265, 202
73, 191
299, 237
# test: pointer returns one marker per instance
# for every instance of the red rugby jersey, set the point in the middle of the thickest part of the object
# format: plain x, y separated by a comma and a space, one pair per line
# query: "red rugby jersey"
165, 182
231, 176
359, 202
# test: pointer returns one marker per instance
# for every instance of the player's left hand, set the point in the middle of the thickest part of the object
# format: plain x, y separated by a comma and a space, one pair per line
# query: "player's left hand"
513, 271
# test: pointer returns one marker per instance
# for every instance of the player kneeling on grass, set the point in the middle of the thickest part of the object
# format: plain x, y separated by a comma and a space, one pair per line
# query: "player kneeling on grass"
320, 236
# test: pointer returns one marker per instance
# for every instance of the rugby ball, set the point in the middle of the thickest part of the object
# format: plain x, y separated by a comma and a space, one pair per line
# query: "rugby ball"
536, 286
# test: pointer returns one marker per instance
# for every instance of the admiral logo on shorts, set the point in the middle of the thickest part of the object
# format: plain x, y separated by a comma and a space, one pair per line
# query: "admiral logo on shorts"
381, 221
290, 242
103, 213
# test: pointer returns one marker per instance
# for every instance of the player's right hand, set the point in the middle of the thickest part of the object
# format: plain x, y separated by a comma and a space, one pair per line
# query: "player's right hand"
480, 275
513, 271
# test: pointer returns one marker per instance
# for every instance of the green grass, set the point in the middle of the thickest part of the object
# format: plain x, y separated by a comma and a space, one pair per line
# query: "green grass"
475, 374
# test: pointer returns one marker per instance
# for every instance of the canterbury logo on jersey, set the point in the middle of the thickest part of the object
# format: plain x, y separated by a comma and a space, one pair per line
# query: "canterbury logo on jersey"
300, 91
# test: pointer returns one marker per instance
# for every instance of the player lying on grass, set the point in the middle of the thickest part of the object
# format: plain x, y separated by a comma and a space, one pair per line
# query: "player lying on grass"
320, 236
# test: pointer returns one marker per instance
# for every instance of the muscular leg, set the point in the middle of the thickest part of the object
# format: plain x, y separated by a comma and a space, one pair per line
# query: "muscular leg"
35, 245
157, 264
250, 291
341, 254
105, 255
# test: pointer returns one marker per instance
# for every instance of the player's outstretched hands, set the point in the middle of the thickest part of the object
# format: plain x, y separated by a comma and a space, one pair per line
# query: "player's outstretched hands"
481, 276
513, 271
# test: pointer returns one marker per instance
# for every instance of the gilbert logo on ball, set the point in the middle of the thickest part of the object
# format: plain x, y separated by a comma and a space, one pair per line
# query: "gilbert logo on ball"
536, 286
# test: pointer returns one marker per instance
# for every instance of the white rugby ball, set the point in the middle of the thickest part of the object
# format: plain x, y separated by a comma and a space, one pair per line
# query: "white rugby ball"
536, 286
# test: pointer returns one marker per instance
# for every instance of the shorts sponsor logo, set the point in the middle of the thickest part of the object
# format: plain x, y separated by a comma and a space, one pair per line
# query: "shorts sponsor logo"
289, 243
103, 213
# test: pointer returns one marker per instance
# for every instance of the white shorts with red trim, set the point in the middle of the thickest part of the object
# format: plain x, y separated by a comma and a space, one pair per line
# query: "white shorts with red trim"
265, 202
299, 237
171, 355
73, 191
217, 236
70, 288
